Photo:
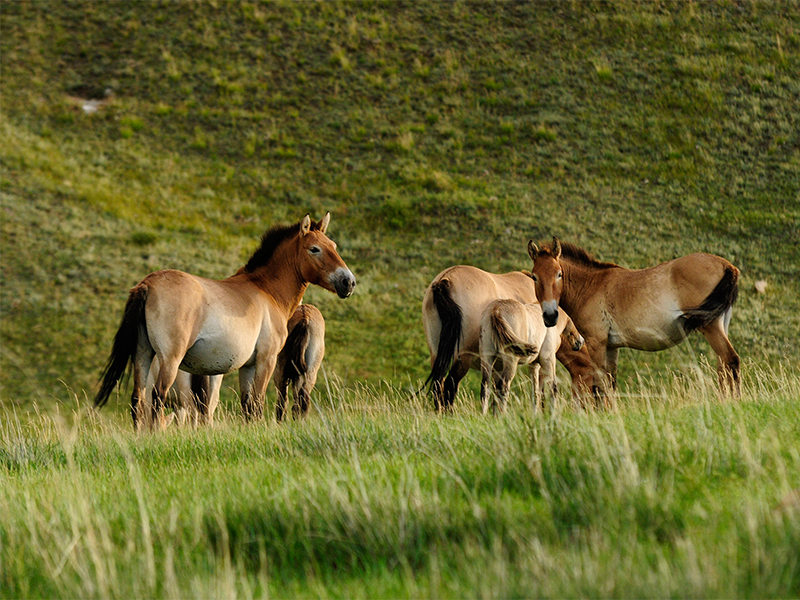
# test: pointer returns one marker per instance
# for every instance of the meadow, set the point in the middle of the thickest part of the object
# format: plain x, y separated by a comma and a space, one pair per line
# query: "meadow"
436, 134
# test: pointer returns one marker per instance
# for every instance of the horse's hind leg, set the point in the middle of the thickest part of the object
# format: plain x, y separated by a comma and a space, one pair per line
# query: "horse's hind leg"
450, 388
727, 358
142, 363
167, 372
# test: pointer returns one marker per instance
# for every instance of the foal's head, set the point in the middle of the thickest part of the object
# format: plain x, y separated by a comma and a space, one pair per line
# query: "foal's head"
318, 260
548, 278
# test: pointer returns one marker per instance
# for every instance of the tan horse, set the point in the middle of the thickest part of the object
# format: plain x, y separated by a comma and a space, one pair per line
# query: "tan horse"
513, 333
195, 398
211, 327
451, 313
300, 360
647, 309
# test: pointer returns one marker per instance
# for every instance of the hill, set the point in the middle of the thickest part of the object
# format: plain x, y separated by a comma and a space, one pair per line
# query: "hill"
436, 134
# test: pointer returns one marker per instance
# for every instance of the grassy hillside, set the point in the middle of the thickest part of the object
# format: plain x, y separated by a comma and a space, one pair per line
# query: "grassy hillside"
436, 134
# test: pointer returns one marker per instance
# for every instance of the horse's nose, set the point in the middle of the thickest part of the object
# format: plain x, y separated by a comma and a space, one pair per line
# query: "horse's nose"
550, 313
344, 282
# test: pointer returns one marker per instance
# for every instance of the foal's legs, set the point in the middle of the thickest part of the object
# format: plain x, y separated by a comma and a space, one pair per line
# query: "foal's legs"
727, 358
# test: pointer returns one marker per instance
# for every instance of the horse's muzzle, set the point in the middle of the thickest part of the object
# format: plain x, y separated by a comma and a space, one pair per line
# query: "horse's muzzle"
344, 282
550, 313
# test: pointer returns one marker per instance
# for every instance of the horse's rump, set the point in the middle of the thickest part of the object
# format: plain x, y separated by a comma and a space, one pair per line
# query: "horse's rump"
294, 350
716, 304
505, 339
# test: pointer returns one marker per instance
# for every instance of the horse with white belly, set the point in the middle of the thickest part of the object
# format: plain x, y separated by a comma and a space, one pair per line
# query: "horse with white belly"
212, 327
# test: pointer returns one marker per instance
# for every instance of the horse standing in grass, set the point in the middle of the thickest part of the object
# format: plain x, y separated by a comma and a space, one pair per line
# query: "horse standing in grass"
300, 360
196, 397
513, 333
647, 309
211, 327
451, 313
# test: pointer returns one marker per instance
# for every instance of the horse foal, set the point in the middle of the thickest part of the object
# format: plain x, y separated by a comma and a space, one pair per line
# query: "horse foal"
300, 360
513, 333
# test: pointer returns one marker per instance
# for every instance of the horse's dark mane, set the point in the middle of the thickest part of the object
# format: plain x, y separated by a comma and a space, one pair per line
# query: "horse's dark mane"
270, 242
576, 254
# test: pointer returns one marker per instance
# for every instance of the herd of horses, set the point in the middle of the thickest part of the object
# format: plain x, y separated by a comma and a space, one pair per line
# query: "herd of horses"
186, 331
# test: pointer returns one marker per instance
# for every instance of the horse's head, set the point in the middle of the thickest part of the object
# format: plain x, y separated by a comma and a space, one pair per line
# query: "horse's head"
548, 278
319, 262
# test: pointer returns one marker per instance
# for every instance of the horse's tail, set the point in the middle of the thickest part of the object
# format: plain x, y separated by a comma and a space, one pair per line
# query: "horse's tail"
506, 339
718, 302
296, 345
450, 333
125, 343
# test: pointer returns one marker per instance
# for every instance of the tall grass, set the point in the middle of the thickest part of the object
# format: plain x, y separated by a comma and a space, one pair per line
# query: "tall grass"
673, 493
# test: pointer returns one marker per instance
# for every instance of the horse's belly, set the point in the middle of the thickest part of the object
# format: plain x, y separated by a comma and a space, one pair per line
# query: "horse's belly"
650, 339
215, 357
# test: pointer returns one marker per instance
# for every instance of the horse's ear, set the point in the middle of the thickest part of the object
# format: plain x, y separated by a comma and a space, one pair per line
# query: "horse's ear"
305, 225
323, 225
556, 248
533, 250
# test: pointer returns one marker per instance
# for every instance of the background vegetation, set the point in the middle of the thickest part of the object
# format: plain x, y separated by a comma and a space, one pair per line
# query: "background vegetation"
436, 134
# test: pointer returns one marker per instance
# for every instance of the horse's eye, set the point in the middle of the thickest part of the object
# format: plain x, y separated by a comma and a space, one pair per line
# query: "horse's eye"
535, 278
559, 276
315, 250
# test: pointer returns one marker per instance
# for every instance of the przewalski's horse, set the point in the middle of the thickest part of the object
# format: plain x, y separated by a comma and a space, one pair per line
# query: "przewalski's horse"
300, 360
451, 314
513, 333
196, 397
647, 309
211, 327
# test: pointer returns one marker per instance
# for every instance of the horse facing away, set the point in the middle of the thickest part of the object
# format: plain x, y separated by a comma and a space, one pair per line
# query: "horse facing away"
647, 309
212, 327
451, 313
300, 360
513, 333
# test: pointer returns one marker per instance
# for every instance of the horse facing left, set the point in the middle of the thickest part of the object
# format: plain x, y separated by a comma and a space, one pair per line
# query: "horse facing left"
212, 327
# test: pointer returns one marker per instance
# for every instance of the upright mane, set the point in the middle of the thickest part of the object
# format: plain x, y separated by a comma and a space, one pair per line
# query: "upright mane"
577, 255
270, 241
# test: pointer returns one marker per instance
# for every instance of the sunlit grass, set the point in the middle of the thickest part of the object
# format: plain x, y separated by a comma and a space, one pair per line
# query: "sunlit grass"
672, 493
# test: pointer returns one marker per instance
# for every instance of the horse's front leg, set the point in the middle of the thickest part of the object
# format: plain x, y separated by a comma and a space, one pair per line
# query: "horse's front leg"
598, 352
611, 366
253, 384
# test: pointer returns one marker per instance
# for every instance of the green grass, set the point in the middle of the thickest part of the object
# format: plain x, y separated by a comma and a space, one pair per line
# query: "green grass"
437, 134
372, 496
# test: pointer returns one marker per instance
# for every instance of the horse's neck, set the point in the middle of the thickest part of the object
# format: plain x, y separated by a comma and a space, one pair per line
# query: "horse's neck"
579, 283
280, 278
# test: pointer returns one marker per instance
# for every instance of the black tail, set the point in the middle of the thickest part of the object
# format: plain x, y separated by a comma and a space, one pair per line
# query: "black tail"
719, 300
294, 350
450, 333
125, 343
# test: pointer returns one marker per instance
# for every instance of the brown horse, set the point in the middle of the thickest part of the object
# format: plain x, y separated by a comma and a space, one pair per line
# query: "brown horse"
647, 309
300, 360
451, 313
513, 333
212, 327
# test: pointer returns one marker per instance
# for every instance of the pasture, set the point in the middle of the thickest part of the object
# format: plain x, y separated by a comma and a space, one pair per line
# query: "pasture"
139, 137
